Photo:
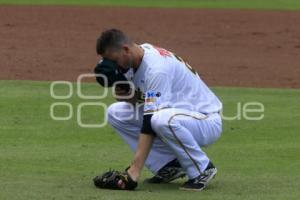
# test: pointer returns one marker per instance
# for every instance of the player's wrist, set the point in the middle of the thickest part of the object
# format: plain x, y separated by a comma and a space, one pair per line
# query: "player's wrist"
134, 173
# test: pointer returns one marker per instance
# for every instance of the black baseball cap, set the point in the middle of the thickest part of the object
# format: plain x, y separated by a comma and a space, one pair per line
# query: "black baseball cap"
110, 70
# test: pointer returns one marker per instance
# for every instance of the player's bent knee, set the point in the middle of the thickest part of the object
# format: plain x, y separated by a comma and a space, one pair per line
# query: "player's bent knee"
160, 122
118, 111
111, 110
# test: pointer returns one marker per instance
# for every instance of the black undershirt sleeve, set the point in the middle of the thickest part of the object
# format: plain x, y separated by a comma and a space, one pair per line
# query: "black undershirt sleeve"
147, 128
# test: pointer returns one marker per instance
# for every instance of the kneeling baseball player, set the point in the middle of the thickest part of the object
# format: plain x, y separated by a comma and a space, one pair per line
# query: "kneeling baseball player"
171, 116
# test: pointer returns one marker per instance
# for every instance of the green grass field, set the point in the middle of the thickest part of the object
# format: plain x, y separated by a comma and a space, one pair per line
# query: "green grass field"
45, 159
248, 4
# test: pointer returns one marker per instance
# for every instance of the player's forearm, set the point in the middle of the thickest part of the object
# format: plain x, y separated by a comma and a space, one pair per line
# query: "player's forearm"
141, 154
143, 149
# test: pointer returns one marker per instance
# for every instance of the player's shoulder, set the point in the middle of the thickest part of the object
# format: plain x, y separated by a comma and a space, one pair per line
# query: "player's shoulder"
153, 60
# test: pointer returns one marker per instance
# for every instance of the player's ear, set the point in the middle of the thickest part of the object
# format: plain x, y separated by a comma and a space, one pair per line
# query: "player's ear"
126, 48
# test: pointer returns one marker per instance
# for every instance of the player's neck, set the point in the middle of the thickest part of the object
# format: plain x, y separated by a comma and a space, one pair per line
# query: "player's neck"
138, 58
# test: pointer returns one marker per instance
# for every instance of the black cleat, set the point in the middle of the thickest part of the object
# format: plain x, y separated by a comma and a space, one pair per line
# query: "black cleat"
200, 182
168, 173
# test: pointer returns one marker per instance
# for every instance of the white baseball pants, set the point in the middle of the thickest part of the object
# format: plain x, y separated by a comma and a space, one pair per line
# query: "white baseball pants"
180, 133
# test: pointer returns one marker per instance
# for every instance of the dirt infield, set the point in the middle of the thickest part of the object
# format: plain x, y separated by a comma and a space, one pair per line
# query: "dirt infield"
228, 47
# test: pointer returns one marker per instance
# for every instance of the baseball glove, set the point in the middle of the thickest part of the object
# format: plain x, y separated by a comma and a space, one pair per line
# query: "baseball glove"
115, 180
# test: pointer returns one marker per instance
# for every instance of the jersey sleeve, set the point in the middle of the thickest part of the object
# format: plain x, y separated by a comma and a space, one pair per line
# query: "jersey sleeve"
158, 93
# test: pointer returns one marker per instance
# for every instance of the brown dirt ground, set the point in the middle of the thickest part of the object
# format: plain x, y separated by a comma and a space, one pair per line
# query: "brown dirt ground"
228, 47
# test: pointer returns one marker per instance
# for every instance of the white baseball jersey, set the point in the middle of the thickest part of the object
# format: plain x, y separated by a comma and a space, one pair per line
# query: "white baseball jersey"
168, 82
